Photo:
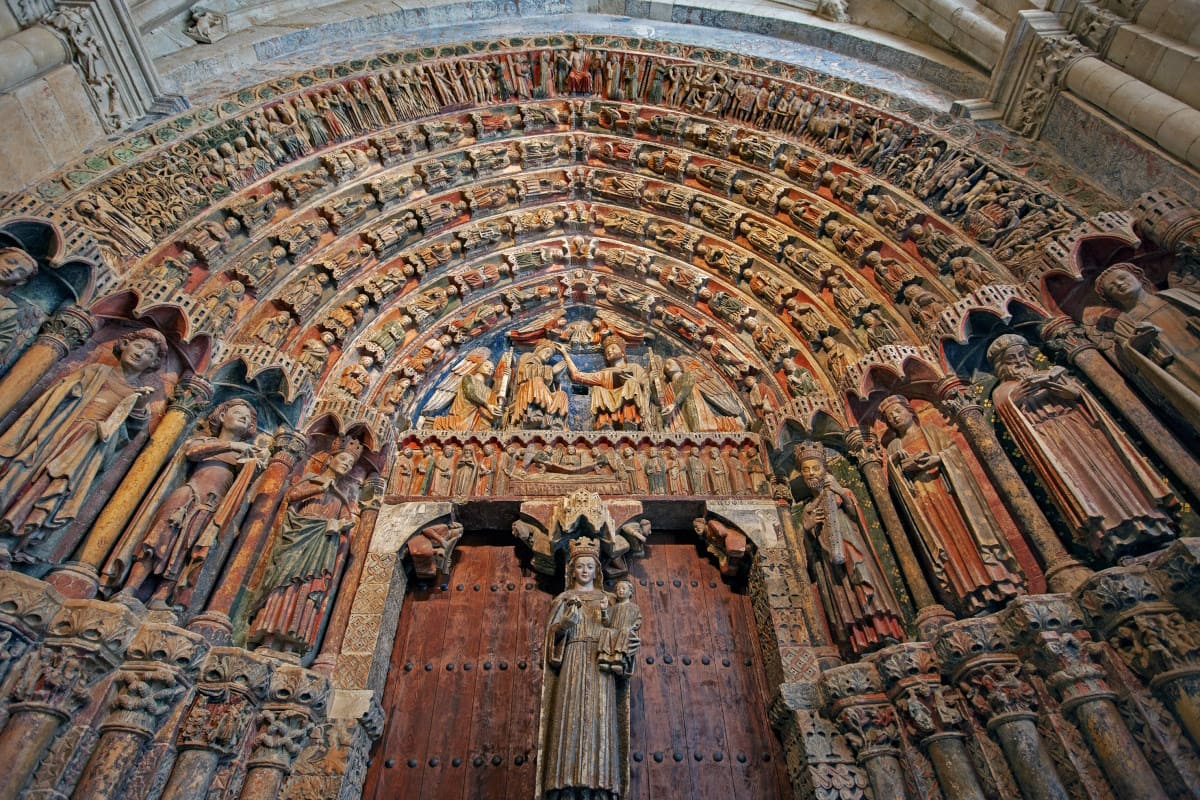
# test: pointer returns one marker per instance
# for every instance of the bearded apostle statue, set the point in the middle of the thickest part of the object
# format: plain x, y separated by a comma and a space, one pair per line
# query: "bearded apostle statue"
310, 550
862, 609
1112, 499
959, 536
53, 454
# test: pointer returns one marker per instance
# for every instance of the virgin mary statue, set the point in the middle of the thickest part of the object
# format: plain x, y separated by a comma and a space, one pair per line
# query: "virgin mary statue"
584, 752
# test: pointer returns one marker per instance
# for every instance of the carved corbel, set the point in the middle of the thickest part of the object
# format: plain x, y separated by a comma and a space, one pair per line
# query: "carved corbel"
432, 549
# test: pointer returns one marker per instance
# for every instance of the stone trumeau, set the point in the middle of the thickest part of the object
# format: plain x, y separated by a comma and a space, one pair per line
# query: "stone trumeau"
456, 402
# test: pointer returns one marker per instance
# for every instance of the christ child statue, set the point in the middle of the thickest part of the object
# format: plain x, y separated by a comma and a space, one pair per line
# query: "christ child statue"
619, 640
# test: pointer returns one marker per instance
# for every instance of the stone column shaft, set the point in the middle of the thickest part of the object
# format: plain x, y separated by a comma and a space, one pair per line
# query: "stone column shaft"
1117, 752
191, 396
107, 770
61, 333
1063, 573
192, 774
1063, 333
215, 622
1027, 756
339, 619
24, 742
953, 767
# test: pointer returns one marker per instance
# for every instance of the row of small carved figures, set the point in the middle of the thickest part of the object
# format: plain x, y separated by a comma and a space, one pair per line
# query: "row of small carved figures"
249, 148
472, 470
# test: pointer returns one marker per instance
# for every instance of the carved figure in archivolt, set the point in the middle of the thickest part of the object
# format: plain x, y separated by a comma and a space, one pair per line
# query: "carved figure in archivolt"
962, 542
538, 401
620, 390
54, 452
1112, 499
473, 393
1157, 338
859, 602
585, 702
173, 545
696, 400
307, 558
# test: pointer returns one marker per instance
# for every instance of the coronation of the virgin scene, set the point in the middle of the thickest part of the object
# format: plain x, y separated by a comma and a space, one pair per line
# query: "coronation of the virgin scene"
600, 400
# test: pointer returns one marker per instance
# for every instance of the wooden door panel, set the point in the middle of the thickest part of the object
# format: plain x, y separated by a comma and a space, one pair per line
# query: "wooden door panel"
469, 732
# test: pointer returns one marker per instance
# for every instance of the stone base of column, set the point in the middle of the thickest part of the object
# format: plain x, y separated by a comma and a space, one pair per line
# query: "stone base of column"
76, 580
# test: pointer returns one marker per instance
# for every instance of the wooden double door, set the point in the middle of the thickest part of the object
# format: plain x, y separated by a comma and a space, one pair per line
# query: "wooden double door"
464, 689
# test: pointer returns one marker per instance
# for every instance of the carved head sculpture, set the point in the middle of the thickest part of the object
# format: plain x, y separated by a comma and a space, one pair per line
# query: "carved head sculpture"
623, 589
897, 412
1009, 355
1120, 285
614, 349
810, 460
344, 459
141, 351
16, 266
583, 561
235, 418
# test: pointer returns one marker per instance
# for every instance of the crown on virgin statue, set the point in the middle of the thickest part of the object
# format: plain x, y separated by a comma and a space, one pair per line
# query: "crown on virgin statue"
584, 546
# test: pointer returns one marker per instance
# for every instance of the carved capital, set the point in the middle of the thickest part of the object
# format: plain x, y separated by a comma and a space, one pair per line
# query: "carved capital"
927, 708
232, 683
957, 399
296, 701
67, 329
864, 446
961, 642
1065, 336
289, 447
374, 489
997, 692
160, 665
27, 604
849, 682
871, 729
1113, 596
1177, 570
191, 396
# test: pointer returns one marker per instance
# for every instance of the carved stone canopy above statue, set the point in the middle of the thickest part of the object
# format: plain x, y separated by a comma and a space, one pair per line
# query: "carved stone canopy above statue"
546, 527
